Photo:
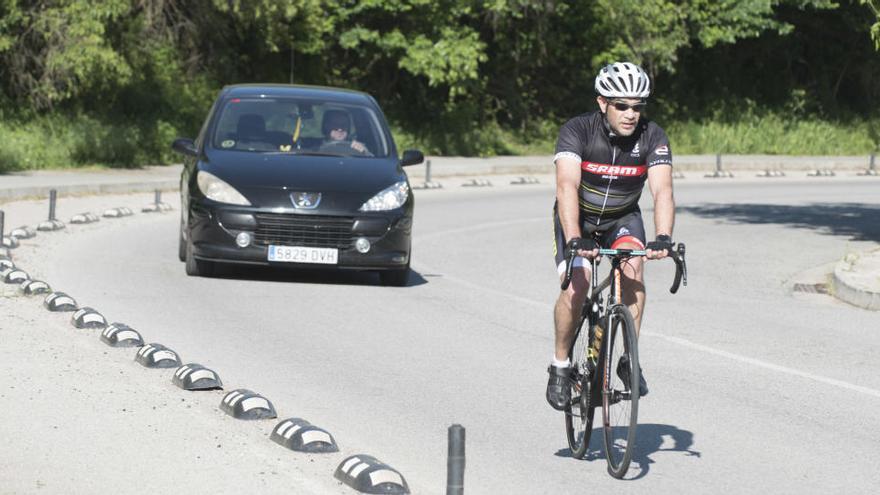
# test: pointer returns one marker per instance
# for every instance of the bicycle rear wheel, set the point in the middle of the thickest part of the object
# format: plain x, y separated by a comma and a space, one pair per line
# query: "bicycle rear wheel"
620, 390
579, 412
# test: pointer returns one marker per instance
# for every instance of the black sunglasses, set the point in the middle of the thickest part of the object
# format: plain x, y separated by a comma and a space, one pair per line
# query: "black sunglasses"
622, 107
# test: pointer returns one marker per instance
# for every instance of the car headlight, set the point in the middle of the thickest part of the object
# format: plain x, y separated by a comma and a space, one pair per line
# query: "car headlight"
393, 196
214, 188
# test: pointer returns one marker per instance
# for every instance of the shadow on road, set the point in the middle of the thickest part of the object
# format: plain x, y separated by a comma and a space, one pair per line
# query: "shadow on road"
856, 220
650, 439
307, 276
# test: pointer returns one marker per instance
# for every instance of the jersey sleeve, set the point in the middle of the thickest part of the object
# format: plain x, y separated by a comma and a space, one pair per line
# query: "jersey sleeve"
660, 152
570, 142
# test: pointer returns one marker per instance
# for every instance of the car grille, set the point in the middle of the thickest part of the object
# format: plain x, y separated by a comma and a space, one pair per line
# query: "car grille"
304, 230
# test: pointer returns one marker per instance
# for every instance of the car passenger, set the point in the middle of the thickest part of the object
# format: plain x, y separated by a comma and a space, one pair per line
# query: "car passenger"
336, 128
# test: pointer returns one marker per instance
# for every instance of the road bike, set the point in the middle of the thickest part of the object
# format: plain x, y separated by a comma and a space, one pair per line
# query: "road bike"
605, 361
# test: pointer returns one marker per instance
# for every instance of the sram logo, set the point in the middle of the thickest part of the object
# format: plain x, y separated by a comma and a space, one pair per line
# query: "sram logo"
625, 170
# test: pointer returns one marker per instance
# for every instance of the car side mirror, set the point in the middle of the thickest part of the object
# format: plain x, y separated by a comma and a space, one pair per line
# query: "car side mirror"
185, 146
412, 157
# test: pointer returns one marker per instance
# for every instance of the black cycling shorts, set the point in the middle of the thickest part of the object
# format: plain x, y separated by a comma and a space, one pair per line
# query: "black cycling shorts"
608, 233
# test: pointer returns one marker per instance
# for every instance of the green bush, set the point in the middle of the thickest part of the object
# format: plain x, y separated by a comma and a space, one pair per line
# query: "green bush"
57, 141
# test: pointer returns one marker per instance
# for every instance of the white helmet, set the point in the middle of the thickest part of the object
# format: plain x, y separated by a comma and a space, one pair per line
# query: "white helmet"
623, 80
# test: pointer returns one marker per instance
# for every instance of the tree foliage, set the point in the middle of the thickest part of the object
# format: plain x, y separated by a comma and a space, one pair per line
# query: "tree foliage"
448, 71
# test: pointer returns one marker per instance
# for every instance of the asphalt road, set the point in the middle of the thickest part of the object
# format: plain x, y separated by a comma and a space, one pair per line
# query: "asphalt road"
753, 388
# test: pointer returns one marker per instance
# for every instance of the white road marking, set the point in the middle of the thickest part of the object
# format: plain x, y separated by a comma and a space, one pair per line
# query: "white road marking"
349, 463
315, 436
164, 355
254, 403
766, 365
674, 340
385, 476
93, 318
200, 374
358, 469
283, 427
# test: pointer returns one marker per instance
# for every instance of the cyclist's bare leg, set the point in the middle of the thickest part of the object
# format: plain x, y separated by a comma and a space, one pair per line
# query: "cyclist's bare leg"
568, 310
633, 285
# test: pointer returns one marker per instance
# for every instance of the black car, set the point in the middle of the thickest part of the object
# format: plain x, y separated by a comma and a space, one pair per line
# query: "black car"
296, 176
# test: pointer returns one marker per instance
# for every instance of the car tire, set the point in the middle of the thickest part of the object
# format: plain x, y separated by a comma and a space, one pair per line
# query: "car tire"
395, 278
195, 267
181, 244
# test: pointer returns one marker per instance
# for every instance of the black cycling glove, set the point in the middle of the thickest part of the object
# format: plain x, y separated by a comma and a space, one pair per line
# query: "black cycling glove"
662, 242
578, 244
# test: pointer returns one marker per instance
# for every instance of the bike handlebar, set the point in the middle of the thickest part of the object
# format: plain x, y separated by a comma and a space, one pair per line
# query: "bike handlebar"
676, 254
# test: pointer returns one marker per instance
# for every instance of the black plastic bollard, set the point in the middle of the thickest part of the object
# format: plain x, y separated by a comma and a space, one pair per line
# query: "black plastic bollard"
53, 196
718, 163
428, 172
455, 463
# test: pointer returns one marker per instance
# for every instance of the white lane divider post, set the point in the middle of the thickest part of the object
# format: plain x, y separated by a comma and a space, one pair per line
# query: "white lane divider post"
718, 172
455, 461
871, 170
52, 223
6, 242
158, 205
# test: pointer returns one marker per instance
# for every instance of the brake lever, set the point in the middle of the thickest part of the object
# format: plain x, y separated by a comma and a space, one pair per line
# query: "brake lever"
569, 266
680, 268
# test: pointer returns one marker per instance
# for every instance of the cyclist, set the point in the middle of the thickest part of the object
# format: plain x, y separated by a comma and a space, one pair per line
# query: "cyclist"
603, 159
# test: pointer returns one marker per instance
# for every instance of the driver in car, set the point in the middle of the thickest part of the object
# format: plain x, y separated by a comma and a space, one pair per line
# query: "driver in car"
336, 128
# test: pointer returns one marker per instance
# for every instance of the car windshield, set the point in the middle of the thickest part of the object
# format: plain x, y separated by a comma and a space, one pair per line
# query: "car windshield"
298, 126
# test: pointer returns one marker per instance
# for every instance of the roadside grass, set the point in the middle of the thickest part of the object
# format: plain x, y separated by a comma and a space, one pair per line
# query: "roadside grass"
769, 134
774, 135
57, 141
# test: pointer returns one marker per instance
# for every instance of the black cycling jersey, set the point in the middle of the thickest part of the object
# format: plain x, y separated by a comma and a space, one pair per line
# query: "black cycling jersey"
613, 168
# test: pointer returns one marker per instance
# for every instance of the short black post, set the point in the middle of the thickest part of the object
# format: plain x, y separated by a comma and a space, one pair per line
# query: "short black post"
455, 463
428, 172
158, 197
718, 164
2, 219
871, 163
53, 196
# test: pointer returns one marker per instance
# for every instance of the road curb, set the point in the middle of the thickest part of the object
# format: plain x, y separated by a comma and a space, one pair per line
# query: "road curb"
26, 192
856, 280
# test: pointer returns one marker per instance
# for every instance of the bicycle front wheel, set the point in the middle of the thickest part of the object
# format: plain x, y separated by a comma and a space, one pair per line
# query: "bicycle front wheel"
620, 390
579, 412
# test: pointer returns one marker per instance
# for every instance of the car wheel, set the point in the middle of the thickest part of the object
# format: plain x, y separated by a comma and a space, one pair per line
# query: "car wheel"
197, 268
395, 278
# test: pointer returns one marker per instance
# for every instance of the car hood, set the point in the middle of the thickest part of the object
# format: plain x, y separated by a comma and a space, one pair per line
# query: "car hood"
246, 171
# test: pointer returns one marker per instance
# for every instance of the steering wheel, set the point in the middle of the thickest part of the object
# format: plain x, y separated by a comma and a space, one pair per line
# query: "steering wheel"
344, 148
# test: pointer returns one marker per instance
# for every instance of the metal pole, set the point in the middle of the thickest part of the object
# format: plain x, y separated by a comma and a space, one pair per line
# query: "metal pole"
53, 196
291, 61
428, 171
455, 462
871, 163
2, 215
718, 163
158, 197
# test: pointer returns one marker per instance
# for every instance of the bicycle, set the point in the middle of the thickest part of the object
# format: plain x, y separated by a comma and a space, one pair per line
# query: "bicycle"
610, 347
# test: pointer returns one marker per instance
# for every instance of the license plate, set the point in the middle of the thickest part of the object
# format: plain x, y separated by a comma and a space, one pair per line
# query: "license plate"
299, 254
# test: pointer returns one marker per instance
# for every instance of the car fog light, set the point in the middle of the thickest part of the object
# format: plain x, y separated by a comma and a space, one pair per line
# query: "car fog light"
362, 245
399, 259
243, 239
